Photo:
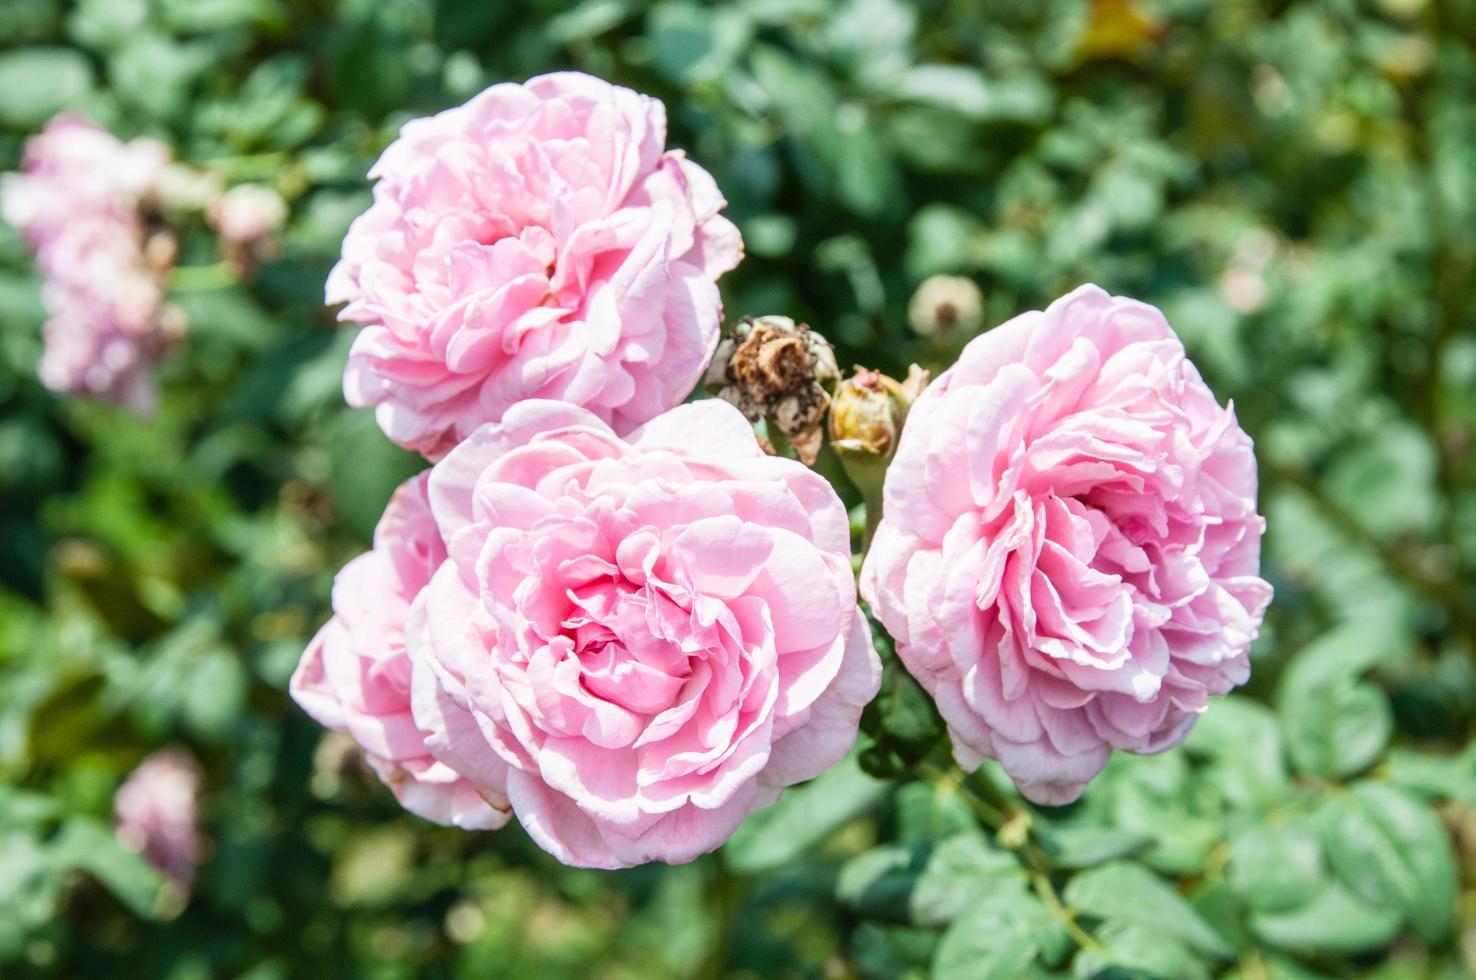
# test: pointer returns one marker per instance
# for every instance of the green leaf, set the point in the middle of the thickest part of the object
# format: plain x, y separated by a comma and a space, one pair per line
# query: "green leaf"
879, 883
1084, 846
587, 20
215, 695
1276, 866
697, 44
1133, 895
929, 811
1335, 724
365, 468
802, 818
156, 73
1243, 742
971, 94
1141, 950
29, 885
1333, 921
959, 872
36, 83
1435, 777
1392, 850
901, 724
91, 846
998, 938
22, 808
924, 883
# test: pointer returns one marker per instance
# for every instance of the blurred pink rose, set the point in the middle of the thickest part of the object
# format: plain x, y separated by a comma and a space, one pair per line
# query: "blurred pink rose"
537, 242
156, 813
247, 214
77, 202
1069, 550
641, 640
355, 676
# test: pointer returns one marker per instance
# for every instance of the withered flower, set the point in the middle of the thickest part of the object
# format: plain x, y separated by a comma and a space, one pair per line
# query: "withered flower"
775, 369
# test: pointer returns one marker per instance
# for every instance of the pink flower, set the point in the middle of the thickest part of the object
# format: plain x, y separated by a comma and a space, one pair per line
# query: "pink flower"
247, 215
156, 813
77, 203
355, 676
537, 242
1069, 550
640, 640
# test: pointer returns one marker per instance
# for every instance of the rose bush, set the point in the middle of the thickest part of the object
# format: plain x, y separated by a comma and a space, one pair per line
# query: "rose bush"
637, 640
1069, 551
538, 241
355, 675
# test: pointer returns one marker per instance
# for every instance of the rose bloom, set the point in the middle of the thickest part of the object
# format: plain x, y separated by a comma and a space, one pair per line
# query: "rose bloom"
1069, 548
355, 676
77, 204
538, 241
639, 640
156, 814
247, 214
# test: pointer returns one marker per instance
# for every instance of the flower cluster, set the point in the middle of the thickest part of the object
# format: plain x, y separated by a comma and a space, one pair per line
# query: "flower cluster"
620, 620
78, 201
630, 642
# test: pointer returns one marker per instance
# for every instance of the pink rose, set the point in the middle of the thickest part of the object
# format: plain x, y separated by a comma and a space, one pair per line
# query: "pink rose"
1069, 550
640, 640
156, 814
247, 214
537, 242
77, 203
355, 676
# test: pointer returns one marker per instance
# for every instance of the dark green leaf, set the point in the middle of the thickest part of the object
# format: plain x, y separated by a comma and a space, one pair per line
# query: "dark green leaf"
803, 817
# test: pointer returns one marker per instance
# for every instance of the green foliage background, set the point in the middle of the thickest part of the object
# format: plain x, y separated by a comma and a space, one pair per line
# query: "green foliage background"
1293, 181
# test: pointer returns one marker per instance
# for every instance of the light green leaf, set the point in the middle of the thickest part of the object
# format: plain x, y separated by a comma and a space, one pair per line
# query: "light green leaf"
1275, 867
1133, 895
36, 83
970, 93
1392, 850
1241, 738
1332, 921
998, 938
1141, 950
1335, 724
959, 872
1084, 846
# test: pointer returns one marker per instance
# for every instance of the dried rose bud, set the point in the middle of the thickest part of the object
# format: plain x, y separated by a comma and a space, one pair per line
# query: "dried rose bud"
775, 369
944, 305
866, 418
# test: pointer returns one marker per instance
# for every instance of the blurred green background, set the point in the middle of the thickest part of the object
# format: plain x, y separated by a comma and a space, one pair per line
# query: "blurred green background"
1293, 182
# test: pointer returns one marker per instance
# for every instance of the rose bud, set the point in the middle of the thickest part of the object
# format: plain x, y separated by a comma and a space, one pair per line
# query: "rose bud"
946, 305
